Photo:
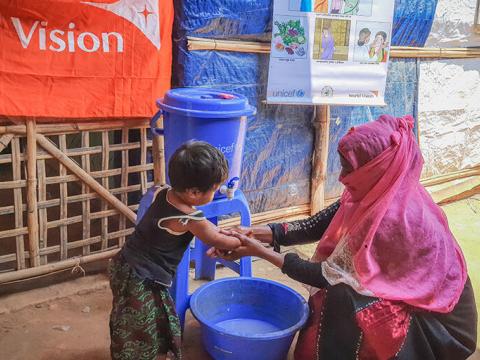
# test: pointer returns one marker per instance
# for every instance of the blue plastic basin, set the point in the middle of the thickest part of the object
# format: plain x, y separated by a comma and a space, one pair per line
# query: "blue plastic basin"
248, 318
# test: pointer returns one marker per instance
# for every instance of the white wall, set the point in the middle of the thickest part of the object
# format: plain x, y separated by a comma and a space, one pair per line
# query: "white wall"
449, 94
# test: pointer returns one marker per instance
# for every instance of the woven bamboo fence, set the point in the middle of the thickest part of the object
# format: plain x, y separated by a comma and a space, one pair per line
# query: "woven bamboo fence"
68, 192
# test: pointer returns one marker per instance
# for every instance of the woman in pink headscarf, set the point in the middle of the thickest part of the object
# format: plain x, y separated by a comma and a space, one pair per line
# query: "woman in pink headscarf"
388, 279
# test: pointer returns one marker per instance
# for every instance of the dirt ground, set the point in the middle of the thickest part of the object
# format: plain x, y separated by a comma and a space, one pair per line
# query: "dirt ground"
75, 325
70, 320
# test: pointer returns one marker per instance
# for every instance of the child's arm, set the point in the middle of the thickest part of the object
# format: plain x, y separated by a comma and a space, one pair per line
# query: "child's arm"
211, 235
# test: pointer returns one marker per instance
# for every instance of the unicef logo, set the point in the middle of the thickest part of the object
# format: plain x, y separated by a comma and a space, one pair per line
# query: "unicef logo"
289, 93
327, 91
300, 93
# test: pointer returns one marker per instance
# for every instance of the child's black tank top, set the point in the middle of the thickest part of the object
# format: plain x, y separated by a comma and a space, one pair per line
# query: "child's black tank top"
154, 251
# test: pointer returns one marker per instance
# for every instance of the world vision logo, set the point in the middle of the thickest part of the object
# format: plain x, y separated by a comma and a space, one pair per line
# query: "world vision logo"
143, 14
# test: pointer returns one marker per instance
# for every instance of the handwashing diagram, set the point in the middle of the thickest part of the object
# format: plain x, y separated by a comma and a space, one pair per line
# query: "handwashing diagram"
351, 7
372, 43
331, 39
332, 52
342, 7
289, 38
317, 6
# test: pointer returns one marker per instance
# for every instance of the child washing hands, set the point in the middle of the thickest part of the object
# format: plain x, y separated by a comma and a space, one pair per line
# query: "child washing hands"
253, 241
143, 321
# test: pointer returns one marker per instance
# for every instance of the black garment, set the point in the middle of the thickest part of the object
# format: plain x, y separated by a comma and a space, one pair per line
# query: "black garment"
303, 232
430, 336
154, 252
306, 272
451, 336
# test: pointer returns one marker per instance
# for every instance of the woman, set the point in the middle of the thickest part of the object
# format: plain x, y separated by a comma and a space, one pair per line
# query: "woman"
377, 50
328, 44
388, 278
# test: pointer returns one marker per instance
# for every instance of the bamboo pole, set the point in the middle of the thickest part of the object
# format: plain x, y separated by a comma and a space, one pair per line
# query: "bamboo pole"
143, 159
5, 140
86, 224
85, 177
124, 183
64, 128
81, 151
32, 217
42, 211
105, 184
62, 142
458, 191
457, 175
320, 158
396, 51
158, 154
18, 204
68, 221
59, 266
271, 216
70, 200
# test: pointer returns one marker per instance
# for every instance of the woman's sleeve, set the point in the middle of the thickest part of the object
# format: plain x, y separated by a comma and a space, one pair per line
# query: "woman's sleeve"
304, 271
303, 231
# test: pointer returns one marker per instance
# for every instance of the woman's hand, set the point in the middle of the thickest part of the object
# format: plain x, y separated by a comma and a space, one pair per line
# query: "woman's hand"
244, 230
262, 233
248, 247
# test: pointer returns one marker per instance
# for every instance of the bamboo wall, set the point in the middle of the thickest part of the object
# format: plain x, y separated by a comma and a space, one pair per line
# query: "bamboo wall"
68, 192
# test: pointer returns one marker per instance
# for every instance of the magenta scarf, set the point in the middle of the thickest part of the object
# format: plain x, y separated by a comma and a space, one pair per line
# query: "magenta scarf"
399, 239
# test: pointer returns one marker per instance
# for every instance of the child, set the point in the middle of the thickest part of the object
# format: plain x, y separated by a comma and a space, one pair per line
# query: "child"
143, 321
362, 49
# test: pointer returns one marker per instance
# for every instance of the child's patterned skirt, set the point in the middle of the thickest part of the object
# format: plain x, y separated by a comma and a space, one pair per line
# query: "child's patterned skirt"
143, 322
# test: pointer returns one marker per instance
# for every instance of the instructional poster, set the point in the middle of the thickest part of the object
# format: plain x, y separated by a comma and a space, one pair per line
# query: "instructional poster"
330, 52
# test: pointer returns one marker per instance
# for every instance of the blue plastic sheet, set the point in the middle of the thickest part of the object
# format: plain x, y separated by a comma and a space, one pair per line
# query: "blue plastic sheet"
401, 98
279, 145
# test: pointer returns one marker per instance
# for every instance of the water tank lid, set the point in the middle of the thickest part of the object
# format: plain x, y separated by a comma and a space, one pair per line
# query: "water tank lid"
205, 103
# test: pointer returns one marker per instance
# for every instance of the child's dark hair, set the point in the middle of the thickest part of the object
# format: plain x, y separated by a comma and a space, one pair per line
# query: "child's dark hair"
365, 32
197, 164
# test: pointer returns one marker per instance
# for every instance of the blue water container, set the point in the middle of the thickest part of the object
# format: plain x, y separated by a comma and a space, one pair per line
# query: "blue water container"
248, 318
217, 117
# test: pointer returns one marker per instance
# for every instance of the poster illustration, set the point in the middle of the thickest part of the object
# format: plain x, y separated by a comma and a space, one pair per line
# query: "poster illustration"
372, 43
334, 51
289, 40
331, 39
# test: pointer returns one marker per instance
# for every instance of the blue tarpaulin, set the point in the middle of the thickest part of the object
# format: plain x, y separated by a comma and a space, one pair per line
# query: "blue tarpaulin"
279, 145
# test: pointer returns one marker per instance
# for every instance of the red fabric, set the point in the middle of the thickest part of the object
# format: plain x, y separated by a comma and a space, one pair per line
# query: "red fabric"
399, 239
79, 59
308, 339
384, 328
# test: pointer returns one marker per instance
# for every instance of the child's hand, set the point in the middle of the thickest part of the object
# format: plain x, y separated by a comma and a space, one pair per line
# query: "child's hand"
244, 230
249, 247
214, 253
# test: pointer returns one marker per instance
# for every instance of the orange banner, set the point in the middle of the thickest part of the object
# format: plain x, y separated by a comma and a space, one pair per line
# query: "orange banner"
77, 59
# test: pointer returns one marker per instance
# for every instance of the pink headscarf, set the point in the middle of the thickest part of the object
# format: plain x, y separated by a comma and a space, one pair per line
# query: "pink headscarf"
399, 239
